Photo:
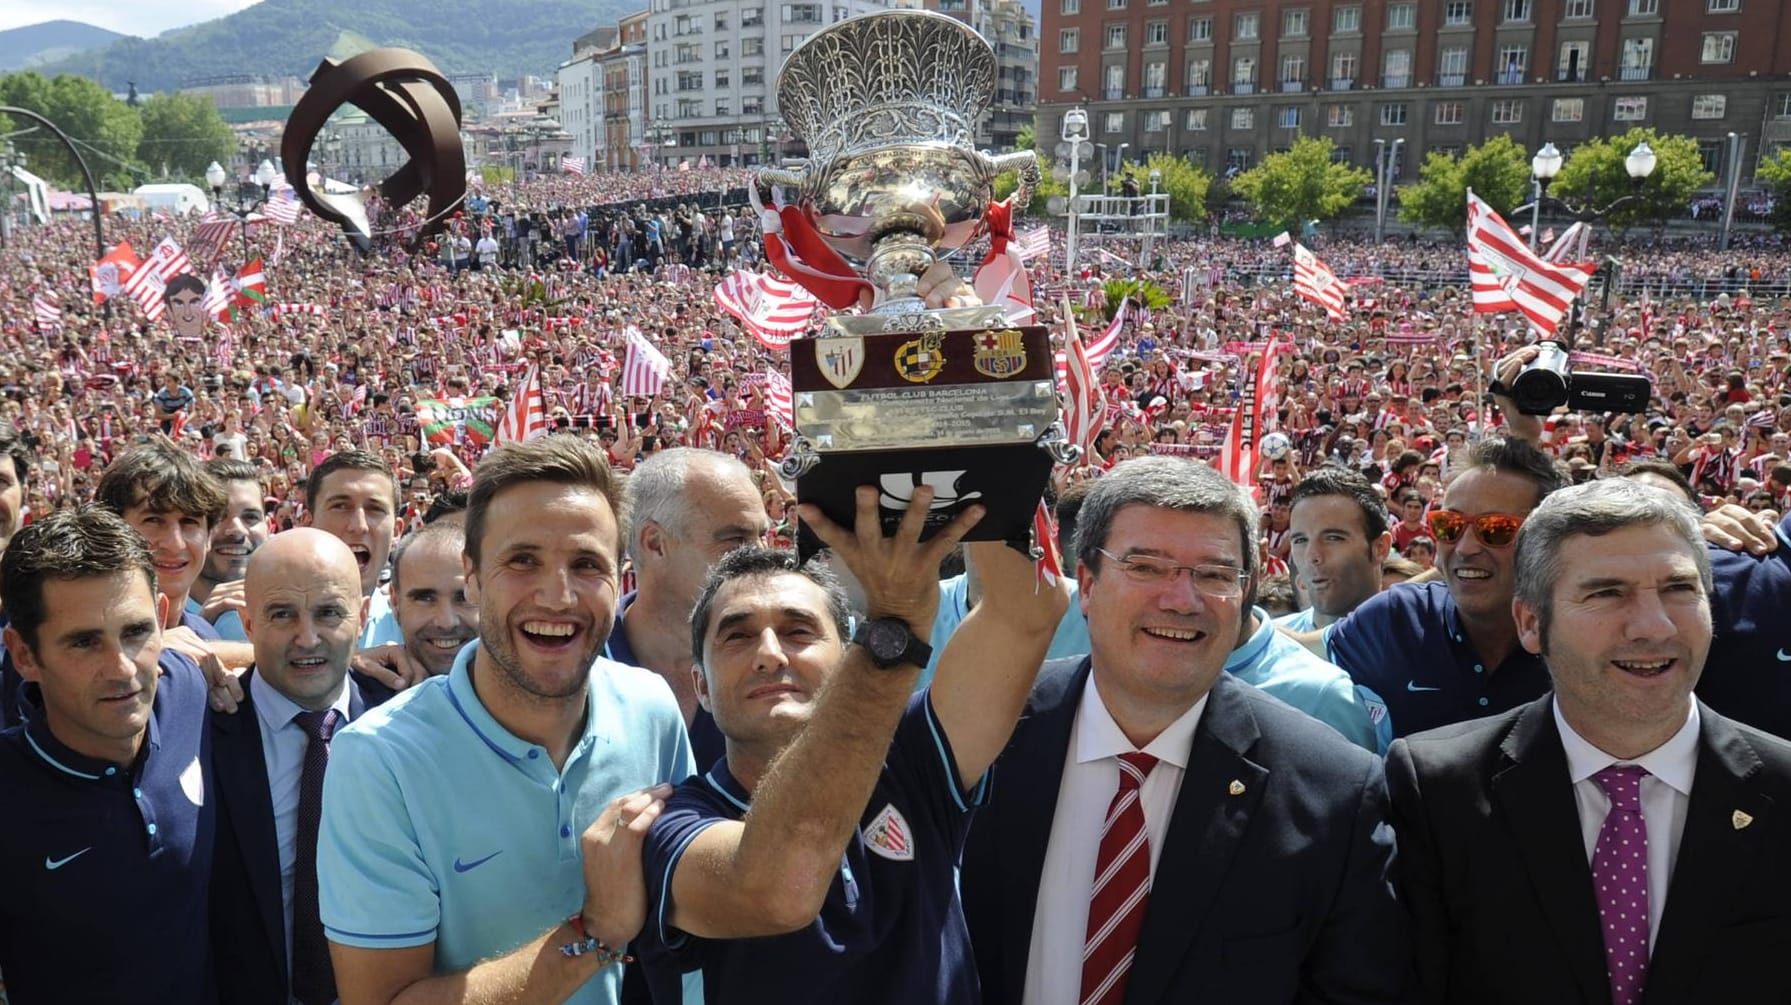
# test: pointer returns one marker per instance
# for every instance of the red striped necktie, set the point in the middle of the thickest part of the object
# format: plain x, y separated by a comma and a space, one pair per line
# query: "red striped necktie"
1121, 889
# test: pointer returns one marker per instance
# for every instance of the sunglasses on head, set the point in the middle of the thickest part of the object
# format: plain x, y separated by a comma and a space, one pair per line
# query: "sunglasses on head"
1495, 530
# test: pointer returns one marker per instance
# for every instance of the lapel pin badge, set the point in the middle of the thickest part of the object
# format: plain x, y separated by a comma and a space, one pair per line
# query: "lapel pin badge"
1741, 819
1237, 788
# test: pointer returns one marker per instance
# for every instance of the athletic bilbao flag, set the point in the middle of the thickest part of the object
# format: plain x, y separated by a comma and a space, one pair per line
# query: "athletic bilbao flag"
1508, 276
525, 417
1237, 456
112, 270
1315, 281
1084, 413
774, 310
645, 369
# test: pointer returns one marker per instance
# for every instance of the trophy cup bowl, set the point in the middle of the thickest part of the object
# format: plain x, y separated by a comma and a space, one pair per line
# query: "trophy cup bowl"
888, 104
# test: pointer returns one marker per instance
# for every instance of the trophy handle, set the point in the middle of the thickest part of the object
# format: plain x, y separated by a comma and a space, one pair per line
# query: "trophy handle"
1024, 161
782, 176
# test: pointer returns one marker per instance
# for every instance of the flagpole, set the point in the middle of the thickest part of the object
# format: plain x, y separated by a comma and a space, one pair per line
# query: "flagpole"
1480, 404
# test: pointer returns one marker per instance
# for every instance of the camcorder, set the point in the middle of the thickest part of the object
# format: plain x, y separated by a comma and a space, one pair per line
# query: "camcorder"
1549, 381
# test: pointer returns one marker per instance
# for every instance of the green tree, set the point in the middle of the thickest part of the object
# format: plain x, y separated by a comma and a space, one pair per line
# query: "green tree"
1775, 175
1498, 171
105, 129
1186, 184
183, 133
1027, 138
1301, 184
1144, 291
1005, 184
1595, 177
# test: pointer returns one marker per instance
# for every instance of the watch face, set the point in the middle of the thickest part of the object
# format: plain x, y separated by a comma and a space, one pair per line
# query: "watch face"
885, 639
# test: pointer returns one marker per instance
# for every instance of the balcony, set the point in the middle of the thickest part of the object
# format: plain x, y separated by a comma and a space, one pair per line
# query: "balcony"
1292, 86
1113, 93
1635, 73
1509, 77
1197, 90
1243, 87
1396, 80
1155, 92
1342, 83
1570, 76
1452, 80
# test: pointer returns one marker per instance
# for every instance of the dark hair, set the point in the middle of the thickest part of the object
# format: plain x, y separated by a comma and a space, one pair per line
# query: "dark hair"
753, 562
561, 460
347, 460
445, 504
163, 478
1663, 469
1518, 457
185, 281
1349, 484
66, 545
428, 532
13, 446
1277, 594
1068, 512
1171, 483
229, 469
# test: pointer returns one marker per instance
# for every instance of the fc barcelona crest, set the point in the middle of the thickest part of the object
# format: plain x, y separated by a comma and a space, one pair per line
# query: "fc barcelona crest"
999, 354
921, 360
841, 359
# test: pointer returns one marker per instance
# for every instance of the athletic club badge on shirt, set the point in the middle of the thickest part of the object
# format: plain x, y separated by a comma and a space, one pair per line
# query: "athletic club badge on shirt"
888, 835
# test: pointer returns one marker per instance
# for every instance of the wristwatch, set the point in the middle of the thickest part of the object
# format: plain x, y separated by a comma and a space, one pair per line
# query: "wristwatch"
891, 643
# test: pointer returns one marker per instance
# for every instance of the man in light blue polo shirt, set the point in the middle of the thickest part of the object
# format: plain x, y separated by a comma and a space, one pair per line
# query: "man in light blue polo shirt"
483, 820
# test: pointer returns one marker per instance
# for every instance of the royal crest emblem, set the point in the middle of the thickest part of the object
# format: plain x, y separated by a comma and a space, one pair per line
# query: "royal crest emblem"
921, 360
999, 354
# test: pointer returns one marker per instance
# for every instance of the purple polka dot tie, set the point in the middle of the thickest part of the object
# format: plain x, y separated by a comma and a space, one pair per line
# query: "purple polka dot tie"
1620, 873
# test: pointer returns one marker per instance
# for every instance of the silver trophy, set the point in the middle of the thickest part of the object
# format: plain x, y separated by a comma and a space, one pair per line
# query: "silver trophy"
888, 104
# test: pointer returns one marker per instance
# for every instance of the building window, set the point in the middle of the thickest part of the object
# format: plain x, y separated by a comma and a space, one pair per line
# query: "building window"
1070, 8
1345, 20
1293, 70
1115, 122
723, 80
1710, 155
1393, 114
1238, 159
802, 13
1396, 68
1340, 116
1066, 78
752, 17
1637, 60
1724, 7
721, 50
1343, 70
1458, 12
1719, 47
1296, 23
1200, 29
1402, 17
1507, 112
1644, 8
1069, 40
1115, 87
752, 106
1156, 80
1575, 57
1156, 122
1200, 74
1115, 37
1156, 33
1341, 154
752, 76
1247, 27
1577, 10
1709, 106
752, 47
1633, 109
1243, 70
1449, 113
1452, 66
1288, 117
1196, 120
1569, 110
1781, 106
1243, 118
721, 21
1514, 58
1517, 11
1116, 4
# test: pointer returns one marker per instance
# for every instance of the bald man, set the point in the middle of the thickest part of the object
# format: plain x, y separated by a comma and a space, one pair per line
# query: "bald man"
304, 611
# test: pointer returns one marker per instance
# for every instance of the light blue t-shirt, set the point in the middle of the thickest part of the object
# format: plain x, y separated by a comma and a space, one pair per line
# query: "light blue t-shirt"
1289, 671
1071, 638
442, 826
1298, 621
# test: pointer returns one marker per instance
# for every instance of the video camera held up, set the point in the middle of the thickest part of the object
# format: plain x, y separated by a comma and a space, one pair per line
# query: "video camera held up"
1549, 381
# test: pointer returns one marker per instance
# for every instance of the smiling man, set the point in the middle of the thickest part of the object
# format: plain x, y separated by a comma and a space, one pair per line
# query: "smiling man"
427, 892
107, 790
218, 592
1617, 838
430, 598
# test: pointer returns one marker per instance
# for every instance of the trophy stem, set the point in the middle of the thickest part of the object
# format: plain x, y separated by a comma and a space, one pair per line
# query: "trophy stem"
897, 261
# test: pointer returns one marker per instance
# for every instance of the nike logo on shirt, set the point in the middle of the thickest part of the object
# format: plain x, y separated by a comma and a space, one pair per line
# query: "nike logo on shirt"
1412, 685
53, 864
1784, 657
460, 866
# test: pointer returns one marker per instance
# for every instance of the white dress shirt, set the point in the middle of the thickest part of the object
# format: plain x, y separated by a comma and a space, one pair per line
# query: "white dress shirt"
1090, 779
1666, 793
283, 751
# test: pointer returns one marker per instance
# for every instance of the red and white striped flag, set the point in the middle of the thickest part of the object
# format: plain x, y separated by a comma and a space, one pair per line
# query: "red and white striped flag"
210, 237
1237, 455
1315, 281
217, 294
283, 210
309, 310
526, 416
1570, 246
168, 259
1035, 243
1083, 411
774, 310
1507, 275
1049, 567
572, 165
1098, 350
147, 287
645, 369
49, 313
112, 270
780, 400
224, 350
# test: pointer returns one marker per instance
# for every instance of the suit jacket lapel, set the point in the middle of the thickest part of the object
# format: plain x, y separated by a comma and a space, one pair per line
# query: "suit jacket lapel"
1715, 856
1203, 838
1543, 824
242, 773
1036, 754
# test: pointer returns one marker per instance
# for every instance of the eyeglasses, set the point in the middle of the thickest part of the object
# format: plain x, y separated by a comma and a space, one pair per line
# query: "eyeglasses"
1221, 582
1495, 530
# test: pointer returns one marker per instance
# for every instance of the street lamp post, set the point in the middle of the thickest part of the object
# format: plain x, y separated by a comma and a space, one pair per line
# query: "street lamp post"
1383, 175
1543, 169
1638, 165
250, 196
1075, 133
99, 233
1737, 143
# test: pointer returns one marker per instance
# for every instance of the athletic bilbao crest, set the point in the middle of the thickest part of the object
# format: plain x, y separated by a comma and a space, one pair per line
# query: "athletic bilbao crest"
889, 836
841, 360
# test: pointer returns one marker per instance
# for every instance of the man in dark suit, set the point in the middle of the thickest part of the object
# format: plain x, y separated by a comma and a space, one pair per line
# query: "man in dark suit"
304, 610
1111, 862
1614, 842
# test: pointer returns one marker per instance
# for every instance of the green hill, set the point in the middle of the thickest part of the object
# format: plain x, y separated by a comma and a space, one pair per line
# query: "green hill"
34, 44
278, 37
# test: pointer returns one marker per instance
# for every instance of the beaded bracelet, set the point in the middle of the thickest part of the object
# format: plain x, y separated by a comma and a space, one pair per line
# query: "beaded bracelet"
590, 944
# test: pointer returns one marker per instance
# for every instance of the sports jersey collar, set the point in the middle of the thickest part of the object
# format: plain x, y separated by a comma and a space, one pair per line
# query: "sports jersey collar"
465, 700
727, 786
57, 755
